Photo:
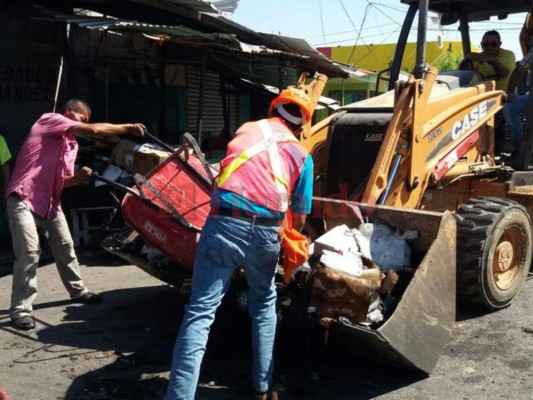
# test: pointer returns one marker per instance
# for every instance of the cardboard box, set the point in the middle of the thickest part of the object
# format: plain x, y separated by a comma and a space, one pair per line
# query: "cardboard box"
337, 294
138, 158
146, 158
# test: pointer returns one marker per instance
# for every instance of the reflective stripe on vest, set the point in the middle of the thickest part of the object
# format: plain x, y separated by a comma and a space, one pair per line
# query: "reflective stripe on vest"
268, 143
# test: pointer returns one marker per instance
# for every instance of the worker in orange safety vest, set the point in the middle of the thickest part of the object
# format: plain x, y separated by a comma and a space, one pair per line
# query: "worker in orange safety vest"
265, 173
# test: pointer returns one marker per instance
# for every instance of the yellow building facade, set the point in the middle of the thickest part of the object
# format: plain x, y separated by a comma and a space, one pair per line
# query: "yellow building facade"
375, 58
379, 57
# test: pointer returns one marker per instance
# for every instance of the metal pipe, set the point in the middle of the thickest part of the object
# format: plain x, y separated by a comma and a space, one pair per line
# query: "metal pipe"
159, 141
400, 48
385, 193
114, 184
163, 131
465, 34
420, 64
60, 73
199, 121
106, 77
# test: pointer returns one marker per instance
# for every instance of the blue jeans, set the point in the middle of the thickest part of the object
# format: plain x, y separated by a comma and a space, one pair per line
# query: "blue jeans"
225, 244
512, 112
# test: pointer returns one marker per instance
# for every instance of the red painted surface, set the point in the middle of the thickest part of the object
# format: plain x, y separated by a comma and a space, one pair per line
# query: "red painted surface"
326, 51
445, 164
187, 193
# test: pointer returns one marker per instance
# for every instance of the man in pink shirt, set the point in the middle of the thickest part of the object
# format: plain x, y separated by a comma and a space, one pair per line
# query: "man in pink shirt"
44, 166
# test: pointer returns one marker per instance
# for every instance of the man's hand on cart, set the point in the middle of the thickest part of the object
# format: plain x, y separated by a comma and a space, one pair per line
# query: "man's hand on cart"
85, 173
137, 129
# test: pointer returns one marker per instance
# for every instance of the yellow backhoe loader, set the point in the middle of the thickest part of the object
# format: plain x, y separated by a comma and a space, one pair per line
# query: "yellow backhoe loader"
428, 145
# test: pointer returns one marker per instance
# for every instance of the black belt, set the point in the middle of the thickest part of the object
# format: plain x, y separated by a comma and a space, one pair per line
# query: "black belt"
239, 214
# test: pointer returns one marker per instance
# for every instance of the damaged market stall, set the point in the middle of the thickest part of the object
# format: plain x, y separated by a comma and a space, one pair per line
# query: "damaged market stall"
195, 52
130, 58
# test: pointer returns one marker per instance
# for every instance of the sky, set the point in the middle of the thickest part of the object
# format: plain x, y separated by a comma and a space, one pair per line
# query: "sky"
330, 23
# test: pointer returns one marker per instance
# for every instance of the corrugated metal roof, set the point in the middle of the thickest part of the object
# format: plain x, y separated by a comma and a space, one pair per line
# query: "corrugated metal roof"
225, 7
300, 46
221, 35
197, 5
296, 50
118, 25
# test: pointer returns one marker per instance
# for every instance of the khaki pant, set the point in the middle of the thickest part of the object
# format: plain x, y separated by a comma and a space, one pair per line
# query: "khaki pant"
24, 226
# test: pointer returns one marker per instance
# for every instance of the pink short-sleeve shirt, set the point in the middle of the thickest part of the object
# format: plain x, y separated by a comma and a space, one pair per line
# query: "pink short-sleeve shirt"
46, 157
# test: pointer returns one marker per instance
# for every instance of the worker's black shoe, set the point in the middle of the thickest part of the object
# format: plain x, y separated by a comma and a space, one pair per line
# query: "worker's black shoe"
88, 298
25, 323
270, 395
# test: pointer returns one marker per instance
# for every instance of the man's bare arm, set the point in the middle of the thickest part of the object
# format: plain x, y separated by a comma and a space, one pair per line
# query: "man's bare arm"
82, 175
106, 129
513, 80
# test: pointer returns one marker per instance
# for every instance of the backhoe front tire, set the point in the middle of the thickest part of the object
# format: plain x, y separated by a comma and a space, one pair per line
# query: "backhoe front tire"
493, 251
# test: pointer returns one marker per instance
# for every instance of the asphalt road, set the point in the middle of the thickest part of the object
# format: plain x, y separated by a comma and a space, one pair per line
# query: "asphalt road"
122, 349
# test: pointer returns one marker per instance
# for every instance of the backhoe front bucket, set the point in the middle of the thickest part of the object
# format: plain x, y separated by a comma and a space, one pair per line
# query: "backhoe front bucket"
416, 332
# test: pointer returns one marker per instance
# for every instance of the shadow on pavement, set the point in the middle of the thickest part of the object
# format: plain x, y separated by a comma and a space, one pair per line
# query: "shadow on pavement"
136, 328
95, 255
127, 343
92, 255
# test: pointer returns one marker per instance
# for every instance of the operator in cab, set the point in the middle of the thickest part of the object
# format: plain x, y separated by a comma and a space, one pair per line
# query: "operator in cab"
494, 63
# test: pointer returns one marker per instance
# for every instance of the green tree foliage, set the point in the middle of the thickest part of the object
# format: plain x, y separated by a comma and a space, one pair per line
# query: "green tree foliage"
448, 63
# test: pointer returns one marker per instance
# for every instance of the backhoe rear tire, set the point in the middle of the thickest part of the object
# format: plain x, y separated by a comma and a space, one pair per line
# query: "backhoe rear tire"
493, 251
